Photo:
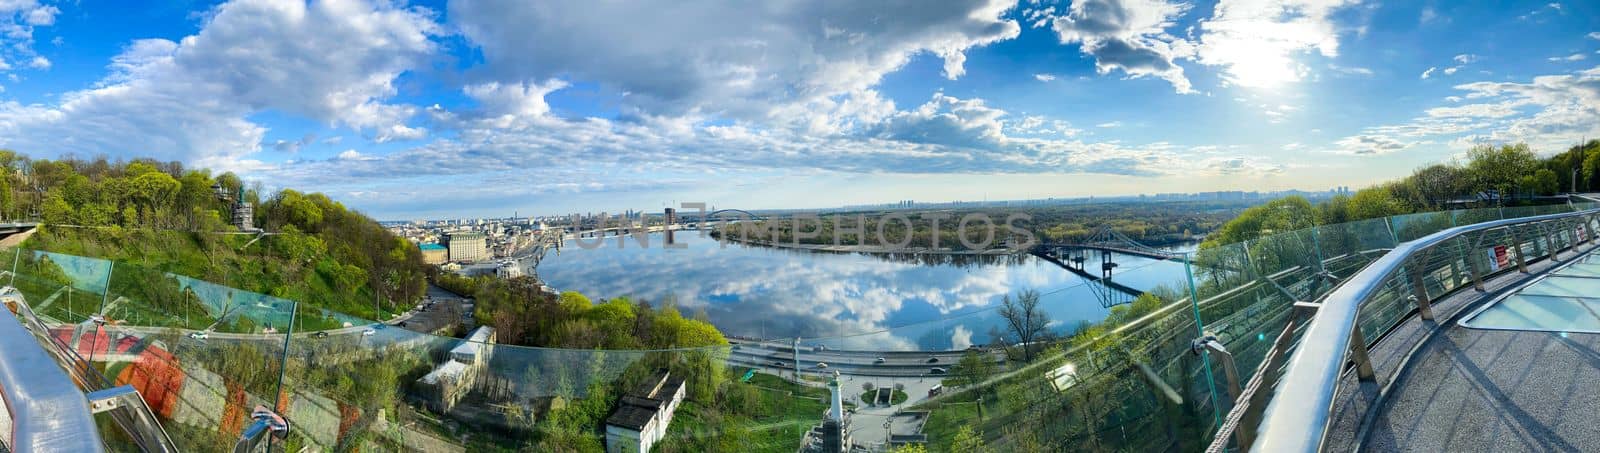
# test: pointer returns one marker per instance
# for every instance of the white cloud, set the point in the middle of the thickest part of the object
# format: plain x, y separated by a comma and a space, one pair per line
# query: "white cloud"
333, 61
1498, 110
1109, 124
1042, 77
1128, 35
794, 63
1428, 73
1241, 165
1593, 35
18, 19
514, 99
1365, 145
1573, 57
1355, 70
1465, 58
1256, 42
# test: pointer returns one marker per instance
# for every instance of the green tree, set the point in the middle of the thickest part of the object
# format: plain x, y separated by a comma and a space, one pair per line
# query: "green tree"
1276, 216
1500, 168
1541, 182
1374, 202
967, 440
973, 368
1025, 320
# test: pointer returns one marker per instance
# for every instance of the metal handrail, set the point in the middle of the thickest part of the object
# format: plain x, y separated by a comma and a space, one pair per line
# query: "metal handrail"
48, 411
1298, 416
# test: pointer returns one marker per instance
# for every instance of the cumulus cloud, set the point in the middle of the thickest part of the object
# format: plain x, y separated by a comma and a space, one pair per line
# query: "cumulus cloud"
1573, 57
1256, 42
1557, 110
332, 61
1428, 73
1042, 77
776, 62
1549, 112
521, 99
1363, 145
1241, 165
18, 20
1128, 35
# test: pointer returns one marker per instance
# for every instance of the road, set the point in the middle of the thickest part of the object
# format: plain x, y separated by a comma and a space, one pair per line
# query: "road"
764, 356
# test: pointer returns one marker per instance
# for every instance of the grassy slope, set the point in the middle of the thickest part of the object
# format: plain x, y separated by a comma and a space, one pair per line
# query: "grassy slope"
221, 259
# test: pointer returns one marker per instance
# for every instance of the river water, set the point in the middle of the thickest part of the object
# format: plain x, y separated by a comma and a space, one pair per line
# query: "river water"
841, 300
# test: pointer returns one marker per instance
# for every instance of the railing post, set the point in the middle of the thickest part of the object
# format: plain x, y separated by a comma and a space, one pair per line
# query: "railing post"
1549, 242
1358, 353
1522, 260
1419, 293
1472, 268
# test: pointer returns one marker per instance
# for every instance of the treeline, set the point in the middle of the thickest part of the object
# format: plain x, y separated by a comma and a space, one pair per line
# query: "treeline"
1502, 175
523, 314
174, 219
1151, 223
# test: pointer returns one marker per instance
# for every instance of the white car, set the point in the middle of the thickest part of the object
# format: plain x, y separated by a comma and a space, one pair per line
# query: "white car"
821, 365
368, 333
201, 335
879, 360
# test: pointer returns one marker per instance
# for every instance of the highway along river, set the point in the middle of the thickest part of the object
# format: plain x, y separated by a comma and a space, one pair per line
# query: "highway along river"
840, 300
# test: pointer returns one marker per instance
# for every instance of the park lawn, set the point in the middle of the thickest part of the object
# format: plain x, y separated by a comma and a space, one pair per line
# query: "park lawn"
944, 420
788, 412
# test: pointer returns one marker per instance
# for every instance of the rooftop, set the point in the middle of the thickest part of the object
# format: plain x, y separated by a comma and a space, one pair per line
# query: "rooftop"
636, 409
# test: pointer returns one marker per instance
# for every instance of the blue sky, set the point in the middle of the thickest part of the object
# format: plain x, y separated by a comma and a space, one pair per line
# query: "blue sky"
475, 108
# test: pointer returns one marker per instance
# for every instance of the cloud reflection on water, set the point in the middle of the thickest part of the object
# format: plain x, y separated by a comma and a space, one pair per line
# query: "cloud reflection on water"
927, 302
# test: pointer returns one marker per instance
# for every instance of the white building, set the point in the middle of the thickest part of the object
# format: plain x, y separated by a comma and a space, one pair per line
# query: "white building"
452, 380
642, 417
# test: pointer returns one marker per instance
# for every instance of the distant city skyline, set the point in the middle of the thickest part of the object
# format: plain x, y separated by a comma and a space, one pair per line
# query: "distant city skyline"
1153, 197
461, 107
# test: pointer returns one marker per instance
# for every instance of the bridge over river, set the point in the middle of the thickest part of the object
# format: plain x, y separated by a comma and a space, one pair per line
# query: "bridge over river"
1109, 243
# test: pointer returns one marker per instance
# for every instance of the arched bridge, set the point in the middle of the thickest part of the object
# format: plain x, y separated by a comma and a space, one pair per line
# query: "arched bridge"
750, 215
1109, 242
1107, 239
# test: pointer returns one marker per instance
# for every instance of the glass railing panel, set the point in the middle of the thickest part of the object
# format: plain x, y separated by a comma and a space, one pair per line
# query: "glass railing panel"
1480, 215
1409, 227
62, 288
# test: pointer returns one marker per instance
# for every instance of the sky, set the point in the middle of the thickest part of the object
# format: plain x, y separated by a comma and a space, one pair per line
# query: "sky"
487, 108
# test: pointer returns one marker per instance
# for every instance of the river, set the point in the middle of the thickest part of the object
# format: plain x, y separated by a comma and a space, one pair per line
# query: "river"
840, 300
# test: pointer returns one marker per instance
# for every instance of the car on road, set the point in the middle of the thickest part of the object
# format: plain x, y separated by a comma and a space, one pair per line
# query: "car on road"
879, 360
936, 390
933, 360
777, 364
368, 333
822, 366
320, 334
201, 335
402, 324
938, 371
